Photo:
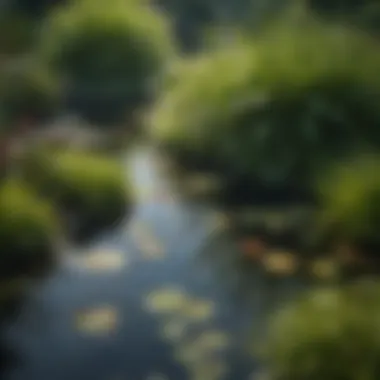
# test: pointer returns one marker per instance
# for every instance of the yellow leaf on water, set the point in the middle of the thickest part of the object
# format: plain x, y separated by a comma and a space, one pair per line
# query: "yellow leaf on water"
213, 340
282, 263
324, 268
219, 222
198, 310
166, 300
147, 242
174, 330
100, 320
103, 260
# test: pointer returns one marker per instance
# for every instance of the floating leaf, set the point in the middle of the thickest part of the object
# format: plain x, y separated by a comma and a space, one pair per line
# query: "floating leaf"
324, 268
198, 310
174, 330
103, 260
213, 340
283, 263
165, 300
100, 320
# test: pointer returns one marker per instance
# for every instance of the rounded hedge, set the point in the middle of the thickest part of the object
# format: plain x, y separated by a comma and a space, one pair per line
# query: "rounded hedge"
28, 228
86, 185
28, 92
327, 334
279, 106
104, 51
350, 202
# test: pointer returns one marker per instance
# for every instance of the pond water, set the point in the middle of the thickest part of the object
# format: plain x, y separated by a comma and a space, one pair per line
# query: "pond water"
162, 296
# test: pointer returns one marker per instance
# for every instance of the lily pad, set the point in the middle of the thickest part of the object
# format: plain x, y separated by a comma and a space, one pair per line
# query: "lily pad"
281, 263
100, 320
174, 330
198, 310
325, 268
213, 340
167, 300
103, 260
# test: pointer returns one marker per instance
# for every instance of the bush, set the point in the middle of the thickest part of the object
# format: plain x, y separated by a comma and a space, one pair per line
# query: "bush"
350, 201
28, 228
279, 107
328, 334
17, 33
28, 92
107, 50
86, 185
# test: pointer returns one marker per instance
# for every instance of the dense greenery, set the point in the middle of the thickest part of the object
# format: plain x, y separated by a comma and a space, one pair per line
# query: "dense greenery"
17, 33
86, 185
278, 107
28, 92
350, 201
109, 54
328, 334
28, 228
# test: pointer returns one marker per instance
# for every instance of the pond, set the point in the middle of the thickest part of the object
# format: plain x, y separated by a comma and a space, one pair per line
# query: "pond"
162, 296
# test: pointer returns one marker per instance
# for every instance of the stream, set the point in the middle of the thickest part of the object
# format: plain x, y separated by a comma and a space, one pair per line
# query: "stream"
167, 243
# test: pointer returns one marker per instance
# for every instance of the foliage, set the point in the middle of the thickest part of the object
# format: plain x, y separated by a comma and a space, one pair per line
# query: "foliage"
34, 9
27, 229
17, 33
278, 106
350, 200
113, 50
327, 334
89, 185
363, 13
28, 92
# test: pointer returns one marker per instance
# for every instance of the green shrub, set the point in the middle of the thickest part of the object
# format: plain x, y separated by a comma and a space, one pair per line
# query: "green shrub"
350, 201
90, 186
277, 107
328, 334
28, 228
17, 33
28, 92
107, 52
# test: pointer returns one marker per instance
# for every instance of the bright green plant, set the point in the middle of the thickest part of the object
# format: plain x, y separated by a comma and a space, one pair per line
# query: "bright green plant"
327, 334
280, 106
91, 186
28, 227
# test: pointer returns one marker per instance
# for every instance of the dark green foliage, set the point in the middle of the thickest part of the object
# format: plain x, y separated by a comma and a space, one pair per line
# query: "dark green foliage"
115, 50
85, 185
328, 334
28, 228
17, 33
279, 107
28, 92
350, 200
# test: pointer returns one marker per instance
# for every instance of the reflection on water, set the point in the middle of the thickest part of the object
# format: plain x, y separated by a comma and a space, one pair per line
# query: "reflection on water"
162, 298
